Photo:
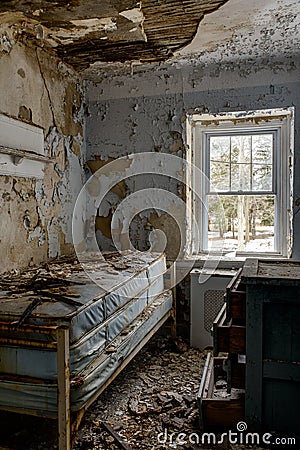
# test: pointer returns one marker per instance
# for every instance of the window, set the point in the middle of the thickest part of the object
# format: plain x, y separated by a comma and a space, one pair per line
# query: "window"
243, 176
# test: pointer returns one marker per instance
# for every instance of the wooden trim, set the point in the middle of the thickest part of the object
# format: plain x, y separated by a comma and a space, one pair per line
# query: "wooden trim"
25, 154
63, 389
254, 352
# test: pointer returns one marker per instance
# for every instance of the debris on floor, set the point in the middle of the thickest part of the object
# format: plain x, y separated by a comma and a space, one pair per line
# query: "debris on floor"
156, 392
153, 397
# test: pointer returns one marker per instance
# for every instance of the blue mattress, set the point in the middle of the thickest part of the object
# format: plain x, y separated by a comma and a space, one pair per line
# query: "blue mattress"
119, 310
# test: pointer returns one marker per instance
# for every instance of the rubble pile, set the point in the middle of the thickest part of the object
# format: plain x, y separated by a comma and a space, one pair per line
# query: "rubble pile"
153, 397
155, 393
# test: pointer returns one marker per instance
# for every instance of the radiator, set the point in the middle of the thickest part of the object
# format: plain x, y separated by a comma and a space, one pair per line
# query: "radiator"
206, 301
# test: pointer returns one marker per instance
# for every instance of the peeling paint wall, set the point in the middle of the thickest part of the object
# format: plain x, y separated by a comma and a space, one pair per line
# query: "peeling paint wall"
35, 221
137, 109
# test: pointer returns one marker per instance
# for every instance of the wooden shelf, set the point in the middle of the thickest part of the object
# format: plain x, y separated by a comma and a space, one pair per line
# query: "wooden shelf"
21, 154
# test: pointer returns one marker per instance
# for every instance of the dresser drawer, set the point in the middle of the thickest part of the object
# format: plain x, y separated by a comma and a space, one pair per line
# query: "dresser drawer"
228, 337
218, 409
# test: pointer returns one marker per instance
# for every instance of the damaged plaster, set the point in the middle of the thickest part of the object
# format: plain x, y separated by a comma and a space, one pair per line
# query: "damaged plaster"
232, 64
246, 29
143, 109
85, 32
35, 213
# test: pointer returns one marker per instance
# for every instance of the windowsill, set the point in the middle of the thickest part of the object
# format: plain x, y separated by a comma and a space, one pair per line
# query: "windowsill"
224, 262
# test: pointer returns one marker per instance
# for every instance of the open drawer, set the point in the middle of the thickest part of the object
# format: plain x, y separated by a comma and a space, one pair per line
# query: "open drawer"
218, 409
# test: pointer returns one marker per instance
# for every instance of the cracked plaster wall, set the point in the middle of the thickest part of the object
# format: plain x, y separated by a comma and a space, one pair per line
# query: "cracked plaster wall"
132, 109
35, 221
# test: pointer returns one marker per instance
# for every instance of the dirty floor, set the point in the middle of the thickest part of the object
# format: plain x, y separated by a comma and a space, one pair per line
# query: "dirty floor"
151, 399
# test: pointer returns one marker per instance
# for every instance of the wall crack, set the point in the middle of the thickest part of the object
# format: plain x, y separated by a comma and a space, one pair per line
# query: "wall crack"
46, 87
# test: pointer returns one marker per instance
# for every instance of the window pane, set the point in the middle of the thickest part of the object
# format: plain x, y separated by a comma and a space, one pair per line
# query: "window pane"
247, 223
220, 148
240, 177
241, 149
219, 176
250, 158
262, 177
262, 148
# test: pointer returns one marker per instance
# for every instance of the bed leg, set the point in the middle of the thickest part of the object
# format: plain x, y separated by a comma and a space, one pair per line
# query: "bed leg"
173, 312
63, 389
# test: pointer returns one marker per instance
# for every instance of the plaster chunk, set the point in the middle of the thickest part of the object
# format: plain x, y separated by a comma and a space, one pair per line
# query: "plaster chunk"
135, 15
39, 234
6, 43
105, 23
85, 27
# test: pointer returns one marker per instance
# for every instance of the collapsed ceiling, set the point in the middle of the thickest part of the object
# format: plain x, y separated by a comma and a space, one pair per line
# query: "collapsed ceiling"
83, 32
88, 34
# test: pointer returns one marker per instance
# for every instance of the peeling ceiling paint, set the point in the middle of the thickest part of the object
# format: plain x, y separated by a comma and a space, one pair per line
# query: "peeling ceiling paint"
83, 32
243, 29
88, 34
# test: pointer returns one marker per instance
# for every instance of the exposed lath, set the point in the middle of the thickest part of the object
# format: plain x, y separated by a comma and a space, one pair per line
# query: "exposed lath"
83, 32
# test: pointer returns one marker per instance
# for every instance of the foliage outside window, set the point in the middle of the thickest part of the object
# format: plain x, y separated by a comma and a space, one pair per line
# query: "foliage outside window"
242, 165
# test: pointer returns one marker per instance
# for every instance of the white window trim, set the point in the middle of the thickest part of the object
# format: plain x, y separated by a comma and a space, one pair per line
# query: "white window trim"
199, 126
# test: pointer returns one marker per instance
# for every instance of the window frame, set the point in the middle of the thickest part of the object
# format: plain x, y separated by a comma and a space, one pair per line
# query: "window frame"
199, 128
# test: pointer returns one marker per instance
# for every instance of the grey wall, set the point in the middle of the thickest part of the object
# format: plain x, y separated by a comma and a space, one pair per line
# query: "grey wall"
138, 110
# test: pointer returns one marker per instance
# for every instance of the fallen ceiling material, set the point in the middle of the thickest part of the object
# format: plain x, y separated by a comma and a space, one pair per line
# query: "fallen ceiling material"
83, 32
